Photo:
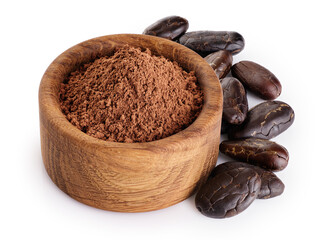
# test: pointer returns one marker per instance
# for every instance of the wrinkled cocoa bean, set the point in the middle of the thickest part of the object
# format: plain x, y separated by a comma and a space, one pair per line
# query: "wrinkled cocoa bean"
271, 185
260, 152
171, 27
235, 102
257, 79
228, 193
220, 62
266, 120
206, 42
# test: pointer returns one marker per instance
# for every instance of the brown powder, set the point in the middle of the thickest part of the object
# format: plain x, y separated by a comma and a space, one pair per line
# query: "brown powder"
131, 96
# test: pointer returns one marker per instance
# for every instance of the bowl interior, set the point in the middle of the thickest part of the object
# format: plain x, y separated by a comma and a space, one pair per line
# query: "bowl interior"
89, 50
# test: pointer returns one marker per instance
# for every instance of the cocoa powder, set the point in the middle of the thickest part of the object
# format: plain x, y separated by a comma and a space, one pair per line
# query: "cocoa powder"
131, 96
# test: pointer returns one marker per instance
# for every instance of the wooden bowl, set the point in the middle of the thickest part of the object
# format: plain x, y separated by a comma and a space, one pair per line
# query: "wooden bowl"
128, 177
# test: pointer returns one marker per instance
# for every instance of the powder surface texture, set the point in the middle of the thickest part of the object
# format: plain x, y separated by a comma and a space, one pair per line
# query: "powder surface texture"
132, 96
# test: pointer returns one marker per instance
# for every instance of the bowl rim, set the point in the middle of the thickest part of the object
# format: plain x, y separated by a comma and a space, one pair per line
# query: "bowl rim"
209, 116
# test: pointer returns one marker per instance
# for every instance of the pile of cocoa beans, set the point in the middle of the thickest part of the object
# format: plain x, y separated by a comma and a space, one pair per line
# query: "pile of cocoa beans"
248, 175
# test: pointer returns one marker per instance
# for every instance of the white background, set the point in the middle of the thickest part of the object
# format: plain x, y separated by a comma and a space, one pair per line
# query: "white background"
280, 35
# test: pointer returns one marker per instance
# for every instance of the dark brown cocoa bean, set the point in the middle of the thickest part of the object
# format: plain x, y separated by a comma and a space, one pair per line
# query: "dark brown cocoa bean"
260, 152
171, 27
228, 193
266, 120
257, 79
206, 42
235, 102
221, 62
271, 185
224, 127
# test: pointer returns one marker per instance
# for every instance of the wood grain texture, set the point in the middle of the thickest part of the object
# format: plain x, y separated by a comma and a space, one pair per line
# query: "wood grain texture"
128, 177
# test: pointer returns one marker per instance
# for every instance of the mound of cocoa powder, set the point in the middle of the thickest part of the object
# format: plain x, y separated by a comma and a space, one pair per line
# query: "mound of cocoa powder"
131, 96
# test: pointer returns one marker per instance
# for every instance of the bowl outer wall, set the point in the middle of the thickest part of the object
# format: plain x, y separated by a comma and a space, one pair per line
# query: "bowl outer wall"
128, 177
